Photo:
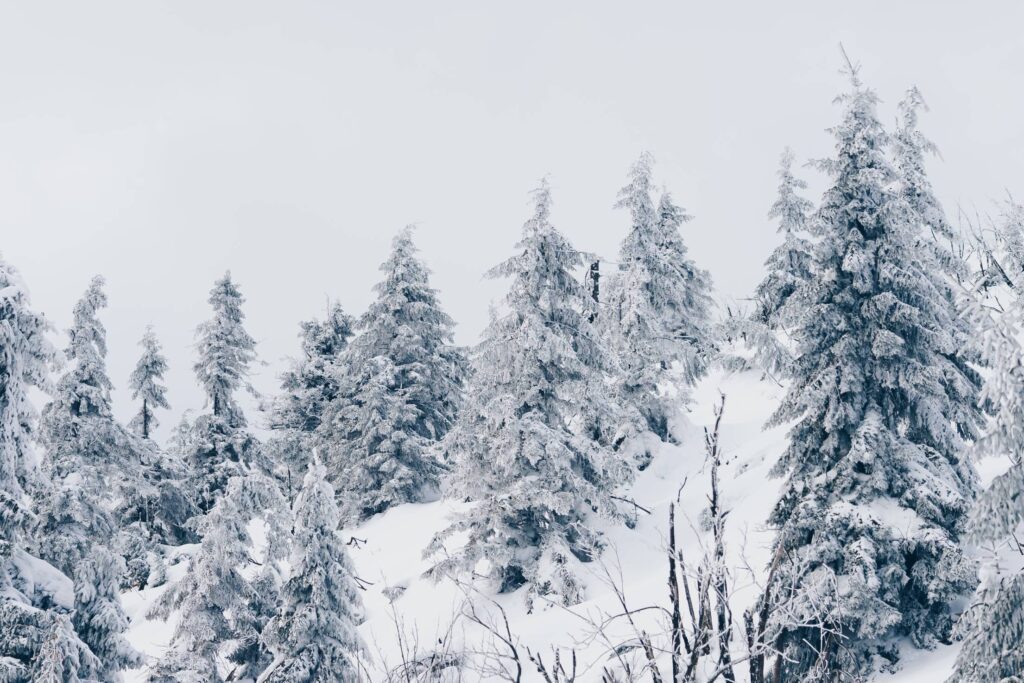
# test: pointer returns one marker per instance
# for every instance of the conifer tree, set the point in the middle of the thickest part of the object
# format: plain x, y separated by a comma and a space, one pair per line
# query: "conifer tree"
313, 636
523, 445
215, 601
146, 384
156, 510
400, 392
311, 383
910, 148
659, 304
92, 464
307, 388
225, 352
871, 514
789, 265
222, 447
36, 636
992, 627
62, 657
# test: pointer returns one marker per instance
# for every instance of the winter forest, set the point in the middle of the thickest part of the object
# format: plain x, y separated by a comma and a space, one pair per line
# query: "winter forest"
627, 476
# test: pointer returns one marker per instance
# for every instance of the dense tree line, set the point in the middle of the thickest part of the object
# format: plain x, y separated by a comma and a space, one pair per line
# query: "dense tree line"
878, 315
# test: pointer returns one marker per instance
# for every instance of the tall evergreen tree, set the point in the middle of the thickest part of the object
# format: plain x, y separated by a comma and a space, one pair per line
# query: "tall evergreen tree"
523, 445
311, 383
307, 388
789, 265
659, 305
222, 447
35, 634
217, 603
399, 395
938, 239
871, 515
992, 627
63, 658
146, 384
911, 148
156, 511
225, 352
313, 636
92, 463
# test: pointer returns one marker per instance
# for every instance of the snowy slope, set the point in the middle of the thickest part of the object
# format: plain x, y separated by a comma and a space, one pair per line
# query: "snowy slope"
387, 554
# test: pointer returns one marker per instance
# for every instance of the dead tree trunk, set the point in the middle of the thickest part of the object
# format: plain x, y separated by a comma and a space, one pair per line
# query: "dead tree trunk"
720, 578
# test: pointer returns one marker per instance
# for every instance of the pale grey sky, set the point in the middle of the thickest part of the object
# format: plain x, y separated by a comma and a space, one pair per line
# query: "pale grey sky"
160, 143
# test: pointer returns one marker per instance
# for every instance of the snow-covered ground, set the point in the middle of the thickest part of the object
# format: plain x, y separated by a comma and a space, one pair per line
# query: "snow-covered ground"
409, 613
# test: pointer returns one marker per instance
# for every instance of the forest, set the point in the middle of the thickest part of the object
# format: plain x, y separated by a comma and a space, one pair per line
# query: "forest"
592, 416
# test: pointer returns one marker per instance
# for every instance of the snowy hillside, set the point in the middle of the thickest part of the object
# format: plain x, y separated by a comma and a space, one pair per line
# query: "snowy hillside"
410, 613
650, 449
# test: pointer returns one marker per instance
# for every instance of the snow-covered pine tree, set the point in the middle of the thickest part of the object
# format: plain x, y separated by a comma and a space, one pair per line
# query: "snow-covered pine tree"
871, 515
938, 238
523, 445
763, 329
399, 395
99, 618
157, 511
307, 388
92, 464
215, 600
311, 383
658, 312
790, 264
25, 359
63, 658
313, 636
225, 352
146, 384
222, 447
35, 634
910, 148
992, 627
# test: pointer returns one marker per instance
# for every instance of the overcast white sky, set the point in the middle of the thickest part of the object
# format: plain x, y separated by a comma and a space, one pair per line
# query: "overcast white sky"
162, 143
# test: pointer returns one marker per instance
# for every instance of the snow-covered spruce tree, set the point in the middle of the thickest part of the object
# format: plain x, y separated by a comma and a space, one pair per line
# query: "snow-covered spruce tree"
215, 601
311, 383
524, 444
146, 384
92, 463
225, 352
63, 658
156, 512
871, 515
34, 631
790, 264
399, 395
658, 312
910, 149
992, 627
313, 636
222, 447
307, 388
938, 239
763, 330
